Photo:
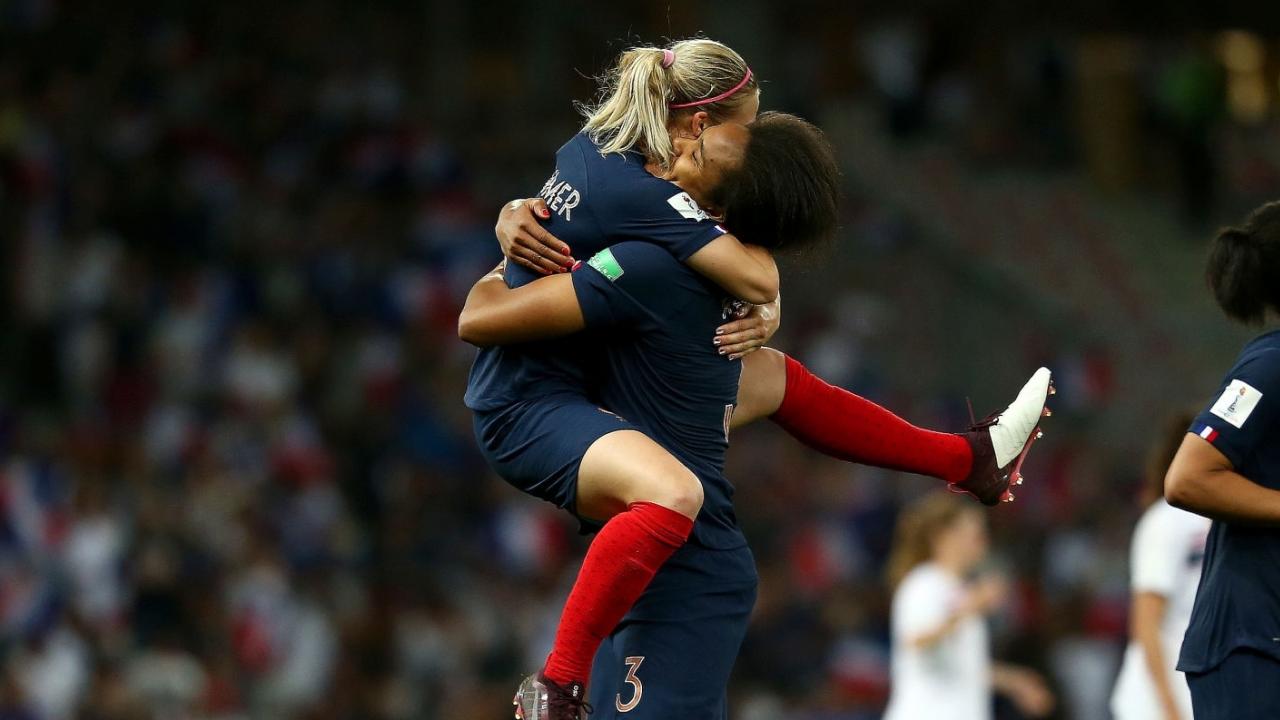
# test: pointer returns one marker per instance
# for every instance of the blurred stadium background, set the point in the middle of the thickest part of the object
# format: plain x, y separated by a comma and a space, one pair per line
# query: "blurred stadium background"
236, 475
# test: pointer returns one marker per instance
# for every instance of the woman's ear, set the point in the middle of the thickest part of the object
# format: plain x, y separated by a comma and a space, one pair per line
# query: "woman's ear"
699, 121
691, 125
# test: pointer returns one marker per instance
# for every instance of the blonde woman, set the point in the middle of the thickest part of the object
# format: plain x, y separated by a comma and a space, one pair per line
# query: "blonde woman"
1166, 559
941, 665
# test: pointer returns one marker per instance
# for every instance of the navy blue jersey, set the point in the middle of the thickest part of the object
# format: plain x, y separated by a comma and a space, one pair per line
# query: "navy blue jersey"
1238, 601
662, 372
596, 201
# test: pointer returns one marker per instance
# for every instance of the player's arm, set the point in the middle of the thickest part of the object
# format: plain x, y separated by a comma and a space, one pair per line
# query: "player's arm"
525, 242
1145, 617
750, 331
1155, 561
495, 314
927, 639
1025, 687
1202, 477
746, 272
1203, 481
982, 598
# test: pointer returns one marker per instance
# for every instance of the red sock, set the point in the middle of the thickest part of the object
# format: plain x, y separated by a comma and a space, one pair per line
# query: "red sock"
621, 561
838, 423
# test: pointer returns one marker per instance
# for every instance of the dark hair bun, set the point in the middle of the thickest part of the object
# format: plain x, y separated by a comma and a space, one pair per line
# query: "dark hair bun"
1243, 268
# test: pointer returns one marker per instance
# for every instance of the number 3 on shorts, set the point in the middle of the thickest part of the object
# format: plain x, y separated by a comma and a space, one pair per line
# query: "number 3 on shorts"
637, 691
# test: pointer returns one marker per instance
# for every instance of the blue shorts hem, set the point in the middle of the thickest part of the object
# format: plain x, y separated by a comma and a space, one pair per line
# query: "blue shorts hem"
537, 445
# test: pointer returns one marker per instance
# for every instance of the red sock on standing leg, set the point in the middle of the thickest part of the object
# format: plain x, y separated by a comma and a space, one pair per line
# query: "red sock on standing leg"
838, 423
619, 565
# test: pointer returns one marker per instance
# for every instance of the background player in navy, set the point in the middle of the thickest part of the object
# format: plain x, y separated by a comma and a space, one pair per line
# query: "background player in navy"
1228, 469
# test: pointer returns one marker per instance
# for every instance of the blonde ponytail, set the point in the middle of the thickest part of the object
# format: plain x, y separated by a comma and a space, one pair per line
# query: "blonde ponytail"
634, 114
637, 95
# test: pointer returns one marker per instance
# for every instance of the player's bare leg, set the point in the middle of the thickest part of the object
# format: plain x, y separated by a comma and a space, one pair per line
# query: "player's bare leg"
649, 500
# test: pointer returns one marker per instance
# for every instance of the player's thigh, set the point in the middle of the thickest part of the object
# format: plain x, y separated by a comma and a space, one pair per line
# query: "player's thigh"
761, 387
626, 467
538, 446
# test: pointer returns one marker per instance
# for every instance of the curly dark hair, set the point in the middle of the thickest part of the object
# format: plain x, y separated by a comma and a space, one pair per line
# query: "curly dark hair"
786, 193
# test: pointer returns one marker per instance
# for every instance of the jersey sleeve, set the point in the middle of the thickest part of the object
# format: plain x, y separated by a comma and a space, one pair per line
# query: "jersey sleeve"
675, 223
1156, 554
921, 605
1244, 412
615, 287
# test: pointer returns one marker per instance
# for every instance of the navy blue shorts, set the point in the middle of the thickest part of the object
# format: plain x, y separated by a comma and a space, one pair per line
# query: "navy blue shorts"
1244, 686
672, 654
538, 445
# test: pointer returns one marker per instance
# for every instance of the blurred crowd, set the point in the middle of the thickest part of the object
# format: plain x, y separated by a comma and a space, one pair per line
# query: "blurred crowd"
236, 476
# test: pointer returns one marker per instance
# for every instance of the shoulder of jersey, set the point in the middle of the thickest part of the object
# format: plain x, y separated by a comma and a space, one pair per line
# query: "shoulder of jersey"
926, 574
683, 204
1264, 350
645, 188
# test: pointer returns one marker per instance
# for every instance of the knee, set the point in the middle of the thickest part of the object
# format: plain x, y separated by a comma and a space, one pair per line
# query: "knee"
679, 491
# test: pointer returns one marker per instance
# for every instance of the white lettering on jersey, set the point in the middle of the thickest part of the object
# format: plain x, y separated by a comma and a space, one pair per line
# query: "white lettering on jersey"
687, 208
560, 196
1237, 402
550, 182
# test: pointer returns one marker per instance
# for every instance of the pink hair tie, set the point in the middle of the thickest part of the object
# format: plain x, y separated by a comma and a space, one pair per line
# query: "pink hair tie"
668, 58
707, 101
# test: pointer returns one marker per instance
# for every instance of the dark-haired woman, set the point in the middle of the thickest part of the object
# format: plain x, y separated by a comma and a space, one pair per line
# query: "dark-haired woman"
1228, 469
1166, 556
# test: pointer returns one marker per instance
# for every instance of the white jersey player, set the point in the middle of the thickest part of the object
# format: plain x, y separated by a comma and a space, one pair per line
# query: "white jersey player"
1166, 558
942, 667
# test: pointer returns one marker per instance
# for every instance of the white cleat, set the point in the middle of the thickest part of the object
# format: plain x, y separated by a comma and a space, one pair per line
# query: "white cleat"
1013, 430
1001, 442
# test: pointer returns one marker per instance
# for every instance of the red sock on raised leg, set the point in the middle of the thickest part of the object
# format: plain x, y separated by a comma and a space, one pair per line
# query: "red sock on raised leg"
622, 560
838, 423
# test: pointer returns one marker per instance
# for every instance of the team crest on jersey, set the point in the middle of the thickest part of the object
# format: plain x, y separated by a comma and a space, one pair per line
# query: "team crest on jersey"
687, 208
